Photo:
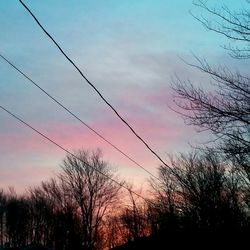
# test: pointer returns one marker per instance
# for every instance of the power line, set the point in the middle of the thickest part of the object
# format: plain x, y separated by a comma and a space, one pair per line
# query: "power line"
93, 86
70, 153
75, 116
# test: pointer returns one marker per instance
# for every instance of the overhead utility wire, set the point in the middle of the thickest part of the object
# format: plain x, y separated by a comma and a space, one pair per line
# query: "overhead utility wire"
93, 86
70, 153
75, 116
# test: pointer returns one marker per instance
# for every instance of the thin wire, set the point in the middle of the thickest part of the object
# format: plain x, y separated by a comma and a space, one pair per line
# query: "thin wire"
75, 116
93, 86
70, 153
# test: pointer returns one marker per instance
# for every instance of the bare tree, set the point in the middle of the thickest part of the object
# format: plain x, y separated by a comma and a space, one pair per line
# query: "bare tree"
134, 218
2, 217
165, 211
55, 217
234, 25
205, 196
93, 192
42, 216
225, 109
17, 220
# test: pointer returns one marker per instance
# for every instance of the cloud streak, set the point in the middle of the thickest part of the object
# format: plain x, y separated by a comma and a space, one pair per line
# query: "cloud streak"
130, 56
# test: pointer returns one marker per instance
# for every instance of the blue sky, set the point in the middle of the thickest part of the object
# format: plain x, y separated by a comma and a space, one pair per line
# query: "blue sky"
129, 49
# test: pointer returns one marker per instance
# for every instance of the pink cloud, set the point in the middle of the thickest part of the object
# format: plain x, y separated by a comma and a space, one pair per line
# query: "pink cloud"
144, 109
152, 122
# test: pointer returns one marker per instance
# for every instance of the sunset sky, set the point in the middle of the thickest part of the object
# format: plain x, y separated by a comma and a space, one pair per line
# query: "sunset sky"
130, 50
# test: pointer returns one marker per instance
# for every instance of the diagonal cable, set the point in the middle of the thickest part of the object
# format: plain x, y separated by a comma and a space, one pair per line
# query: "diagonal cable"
76, 117
93, 86
72, 154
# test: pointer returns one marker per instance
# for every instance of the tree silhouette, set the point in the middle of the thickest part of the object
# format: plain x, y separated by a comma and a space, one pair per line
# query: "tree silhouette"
234, 25
225, 109
198, 197
93, 192
134, 218
3, 200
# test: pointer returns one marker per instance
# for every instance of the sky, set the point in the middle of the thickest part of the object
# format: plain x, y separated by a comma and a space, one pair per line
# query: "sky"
130, 50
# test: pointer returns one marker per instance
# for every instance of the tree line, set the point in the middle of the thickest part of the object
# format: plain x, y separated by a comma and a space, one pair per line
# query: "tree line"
201, 194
